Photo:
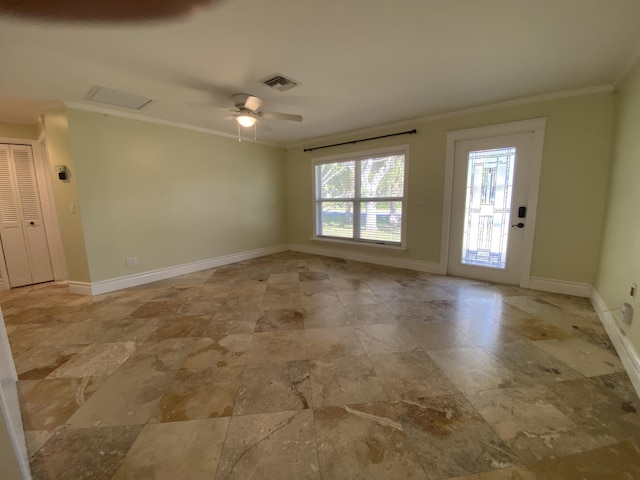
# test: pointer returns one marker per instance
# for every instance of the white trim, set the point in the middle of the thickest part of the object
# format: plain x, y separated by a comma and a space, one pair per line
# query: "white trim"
560, 286
167, 123
607, 88
357, 243
417, 265
535, 126
113, 284
628, 355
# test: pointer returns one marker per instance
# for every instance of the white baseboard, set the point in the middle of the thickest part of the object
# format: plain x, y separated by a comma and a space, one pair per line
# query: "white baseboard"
113, 284
368, 258
560, 286
627, 353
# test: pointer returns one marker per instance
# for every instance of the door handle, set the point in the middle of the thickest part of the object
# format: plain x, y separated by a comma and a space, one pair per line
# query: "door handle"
32, 223
519, 225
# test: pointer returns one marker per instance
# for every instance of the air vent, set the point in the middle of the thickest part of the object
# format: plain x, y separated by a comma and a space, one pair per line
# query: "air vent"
280, 83
114, 97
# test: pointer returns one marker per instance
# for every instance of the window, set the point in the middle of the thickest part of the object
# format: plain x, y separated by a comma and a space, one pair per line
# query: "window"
362, 197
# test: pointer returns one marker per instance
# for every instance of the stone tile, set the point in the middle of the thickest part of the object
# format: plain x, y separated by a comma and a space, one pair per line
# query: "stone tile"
344, 381
333, 342
322, 299
201, 306
160, 310
181, 327
597, 408
364, 441
282, 288
38, 362
471, 369
24, 337
534, 429
531, 364
270, 446
35, 439
357, 298
269, 347
620, 462
100, 359
582, 356
161, 356
312, 276
369, 315
47, 404
534, 329
326, 317
277, 301
221, 351
387, 338
124, 399
515, 473
232, 323
450, 438
411, 376
174, 450
199, 394
284, 319
532, 305
274, 387
74, 453
437, 334
283, 278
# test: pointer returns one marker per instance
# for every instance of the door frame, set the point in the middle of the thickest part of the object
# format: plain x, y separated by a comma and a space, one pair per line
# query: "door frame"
535, 126
49, 215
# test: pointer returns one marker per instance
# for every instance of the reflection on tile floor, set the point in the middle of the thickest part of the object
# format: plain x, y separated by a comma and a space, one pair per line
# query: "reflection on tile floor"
297, 366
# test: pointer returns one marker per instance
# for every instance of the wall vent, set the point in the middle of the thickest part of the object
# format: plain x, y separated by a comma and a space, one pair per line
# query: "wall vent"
280, 82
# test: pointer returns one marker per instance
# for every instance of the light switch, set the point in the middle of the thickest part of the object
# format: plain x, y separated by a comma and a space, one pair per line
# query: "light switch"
72, 208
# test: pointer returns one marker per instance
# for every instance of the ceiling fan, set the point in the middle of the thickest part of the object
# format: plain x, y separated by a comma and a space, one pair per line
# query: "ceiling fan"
247, 111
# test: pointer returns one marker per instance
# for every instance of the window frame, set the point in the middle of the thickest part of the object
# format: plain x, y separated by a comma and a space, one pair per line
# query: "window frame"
358, 157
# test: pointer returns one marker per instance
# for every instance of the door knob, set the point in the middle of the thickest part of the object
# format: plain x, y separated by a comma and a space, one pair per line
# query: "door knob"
519, 225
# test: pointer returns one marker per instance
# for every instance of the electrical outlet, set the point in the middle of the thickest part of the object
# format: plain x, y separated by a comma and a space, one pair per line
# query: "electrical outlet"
131, 261
633, 289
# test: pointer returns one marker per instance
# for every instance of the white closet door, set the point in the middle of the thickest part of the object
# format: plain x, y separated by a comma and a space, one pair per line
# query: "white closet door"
35, 236
13, 241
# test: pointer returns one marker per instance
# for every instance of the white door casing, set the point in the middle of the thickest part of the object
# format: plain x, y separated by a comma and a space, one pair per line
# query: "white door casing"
24, 241
455, 141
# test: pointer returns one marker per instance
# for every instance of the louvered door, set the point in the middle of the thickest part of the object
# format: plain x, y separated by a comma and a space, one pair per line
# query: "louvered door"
24, 241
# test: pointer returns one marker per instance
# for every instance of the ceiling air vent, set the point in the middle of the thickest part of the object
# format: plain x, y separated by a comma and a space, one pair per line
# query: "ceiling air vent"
280, 83
115, 97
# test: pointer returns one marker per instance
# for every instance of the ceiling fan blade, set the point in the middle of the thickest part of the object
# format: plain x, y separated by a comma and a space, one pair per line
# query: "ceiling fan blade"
252, 103
281, 116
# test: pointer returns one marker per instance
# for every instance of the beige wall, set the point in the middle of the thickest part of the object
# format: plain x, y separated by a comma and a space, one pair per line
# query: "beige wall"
65, 193
620, 257
572, 187
18, 130
171, 196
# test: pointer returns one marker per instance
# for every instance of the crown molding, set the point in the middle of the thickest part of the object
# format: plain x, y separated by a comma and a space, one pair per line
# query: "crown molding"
158, 121
608, 88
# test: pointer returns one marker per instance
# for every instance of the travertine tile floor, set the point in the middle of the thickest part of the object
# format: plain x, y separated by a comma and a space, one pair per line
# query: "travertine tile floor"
295, 366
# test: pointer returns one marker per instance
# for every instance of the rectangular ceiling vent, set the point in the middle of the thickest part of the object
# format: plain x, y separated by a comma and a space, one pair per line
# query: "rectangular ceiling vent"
279, 82
114, 97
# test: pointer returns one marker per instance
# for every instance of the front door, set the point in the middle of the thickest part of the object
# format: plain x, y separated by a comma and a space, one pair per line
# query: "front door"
489, 207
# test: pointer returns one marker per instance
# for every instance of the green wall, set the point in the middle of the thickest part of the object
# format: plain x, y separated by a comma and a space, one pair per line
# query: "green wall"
620, 256
65, 193
18, 130
572, 187
171, 196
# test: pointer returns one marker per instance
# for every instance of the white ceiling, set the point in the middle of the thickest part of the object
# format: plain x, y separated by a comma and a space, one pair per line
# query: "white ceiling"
360, 63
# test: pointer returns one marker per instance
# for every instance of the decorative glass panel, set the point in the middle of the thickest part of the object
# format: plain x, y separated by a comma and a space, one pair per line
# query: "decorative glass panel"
488, 207
381, 221
336, 219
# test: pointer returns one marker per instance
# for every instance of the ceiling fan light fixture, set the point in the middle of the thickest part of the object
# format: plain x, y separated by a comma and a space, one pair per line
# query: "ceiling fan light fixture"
246, 120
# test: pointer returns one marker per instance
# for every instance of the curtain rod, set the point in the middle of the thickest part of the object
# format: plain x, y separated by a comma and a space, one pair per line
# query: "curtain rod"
408, 132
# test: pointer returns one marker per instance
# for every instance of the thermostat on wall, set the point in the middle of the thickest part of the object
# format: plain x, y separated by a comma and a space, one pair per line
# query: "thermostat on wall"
63, 173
